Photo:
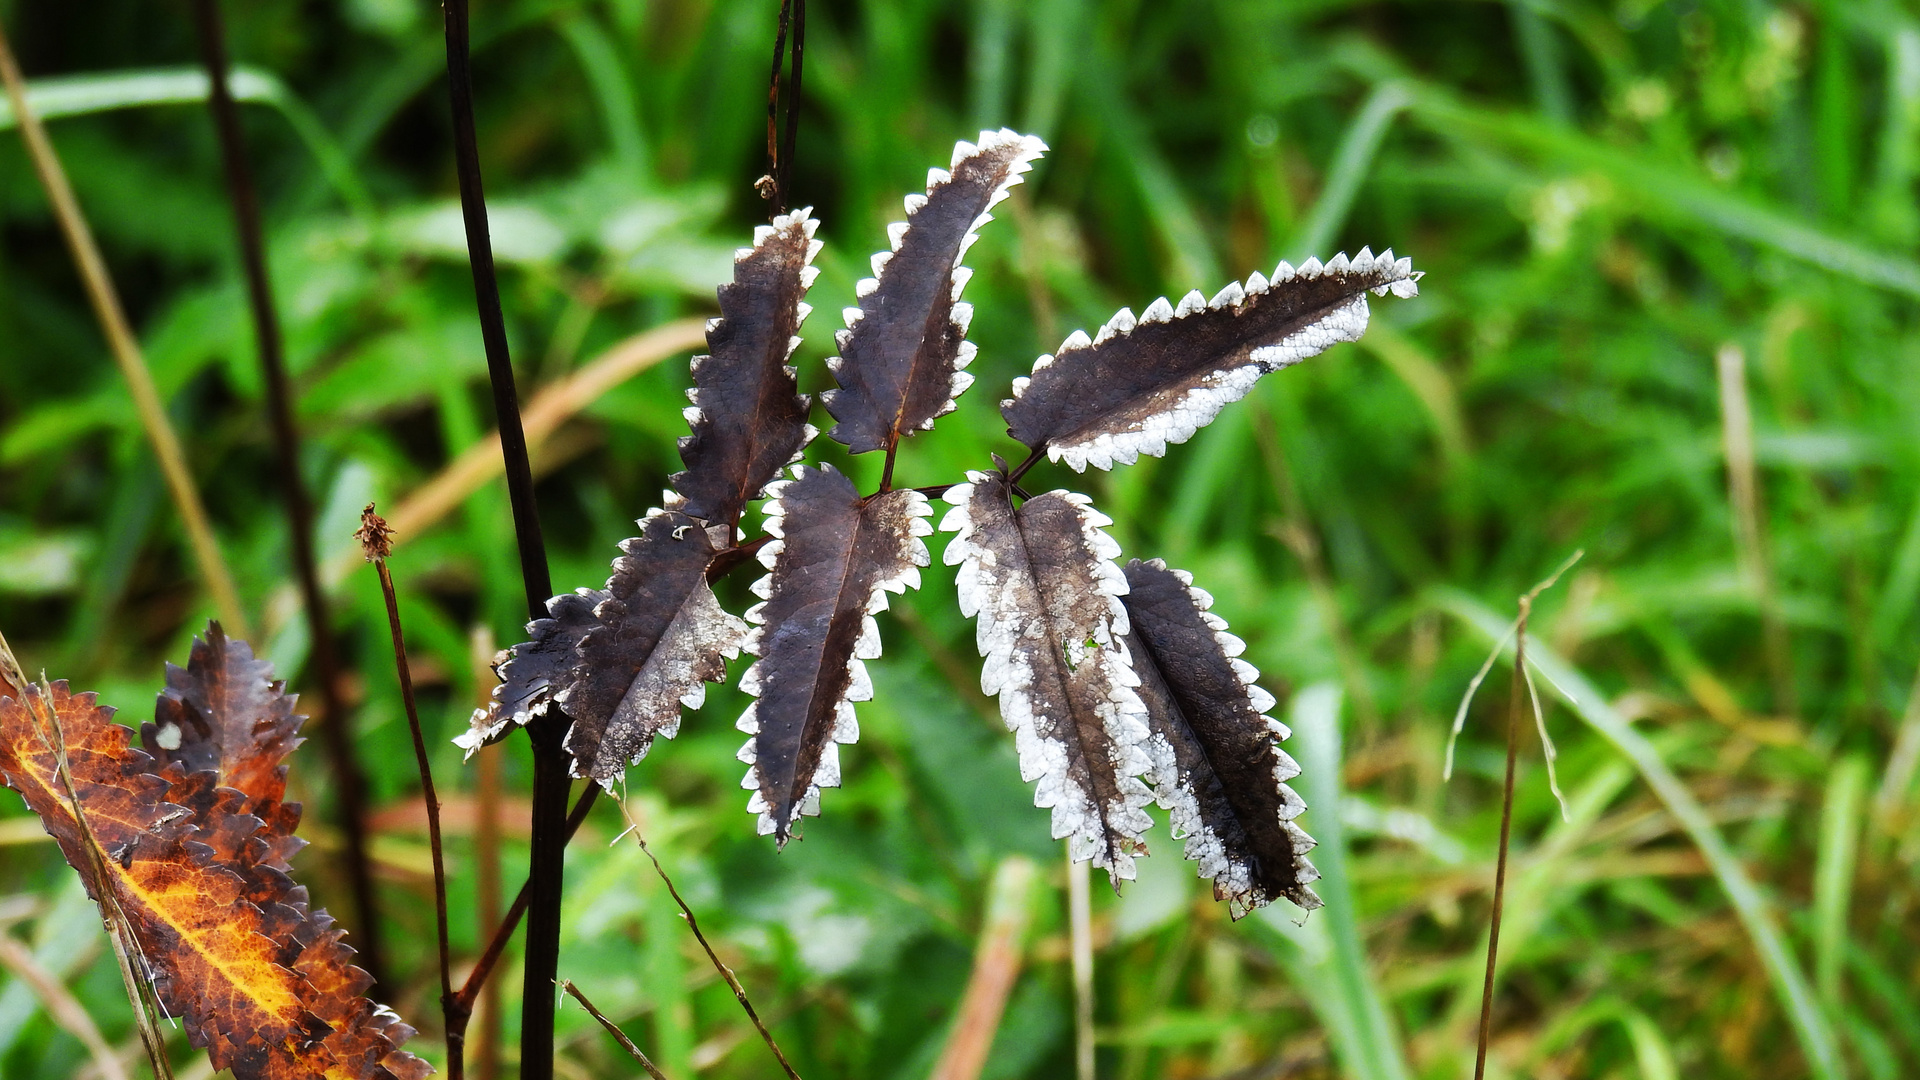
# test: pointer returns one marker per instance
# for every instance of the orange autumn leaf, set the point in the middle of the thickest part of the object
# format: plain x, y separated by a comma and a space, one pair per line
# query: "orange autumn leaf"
192, 843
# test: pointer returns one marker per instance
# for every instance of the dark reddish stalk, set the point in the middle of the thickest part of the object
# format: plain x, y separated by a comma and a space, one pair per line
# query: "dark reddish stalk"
546, 869
483, 967
1515, 705
375, 540
776, 184
337, 732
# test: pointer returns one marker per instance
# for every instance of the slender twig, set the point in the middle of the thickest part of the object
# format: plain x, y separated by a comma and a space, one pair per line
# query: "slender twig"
547, 863
376, 541
486, 843
613, 1029
125, 348
483, 967
1080, 939
776, 185
1021, 469
1514, 710
793, 100
337, 733
1522, 685
733, 981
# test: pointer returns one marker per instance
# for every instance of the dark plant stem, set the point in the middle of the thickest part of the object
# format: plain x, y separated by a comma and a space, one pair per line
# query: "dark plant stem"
886, 472
777, 184
1020, 470
337, 731
1515, 706
613, 1029
793, 100
546, 868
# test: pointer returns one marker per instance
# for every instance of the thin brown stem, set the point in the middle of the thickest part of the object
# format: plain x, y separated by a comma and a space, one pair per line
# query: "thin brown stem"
486, 843
336, 731
125, 348
373, 535
733, 982
1515, 708
497, 944
613, 1029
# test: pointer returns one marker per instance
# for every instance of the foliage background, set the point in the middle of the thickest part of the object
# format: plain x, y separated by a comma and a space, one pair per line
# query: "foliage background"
1604, 194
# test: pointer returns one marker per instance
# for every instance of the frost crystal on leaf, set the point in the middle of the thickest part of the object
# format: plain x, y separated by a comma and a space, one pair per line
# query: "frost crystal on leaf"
903, 355
833, 559
749, 418
657, 638
1043, 586
1219, 770
1145, 382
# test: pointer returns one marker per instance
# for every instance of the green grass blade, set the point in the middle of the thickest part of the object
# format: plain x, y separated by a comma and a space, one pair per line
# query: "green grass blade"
84, 95
1325, 955
1351, 163
1756, 913
1663, 188
1840, 816
1546, 70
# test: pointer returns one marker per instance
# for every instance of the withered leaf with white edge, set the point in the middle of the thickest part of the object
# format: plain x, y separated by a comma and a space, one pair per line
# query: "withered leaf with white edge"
534, 671
1219, 771
748, 416
657, 638
903, 355
1042, 583
1143, 383
833, 559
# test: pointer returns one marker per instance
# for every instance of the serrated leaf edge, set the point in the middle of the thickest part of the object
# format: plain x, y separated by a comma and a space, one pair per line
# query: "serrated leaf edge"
1347, 322
846, 730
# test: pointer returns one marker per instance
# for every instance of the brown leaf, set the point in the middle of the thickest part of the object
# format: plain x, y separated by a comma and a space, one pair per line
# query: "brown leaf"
749, 418
834, 558
197, 868
657, 637
1220, 773
1042, 584
534, 672
903, 355
1143, 383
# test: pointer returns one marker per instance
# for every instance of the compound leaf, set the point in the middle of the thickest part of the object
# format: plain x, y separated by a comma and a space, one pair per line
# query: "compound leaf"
833, 559
1220, 772
749, 418
657, 637
1143, 383
903, 355
193, 869
1043, 586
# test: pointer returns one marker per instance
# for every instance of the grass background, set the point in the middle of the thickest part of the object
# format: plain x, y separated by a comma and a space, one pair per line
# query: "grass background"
1605, 196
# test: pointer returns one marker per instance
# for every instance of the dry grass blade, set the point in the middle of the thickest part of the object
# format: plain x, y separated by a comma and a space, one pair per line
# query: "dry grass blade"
551, 406
1080, 938
996, 965
613, 1029
126, 349
1749, 529
726, 973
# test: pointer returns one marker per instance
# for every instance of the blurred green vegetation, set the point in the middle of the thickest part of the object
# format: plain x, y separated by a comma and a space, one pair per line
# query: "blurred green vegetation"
1606, 195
